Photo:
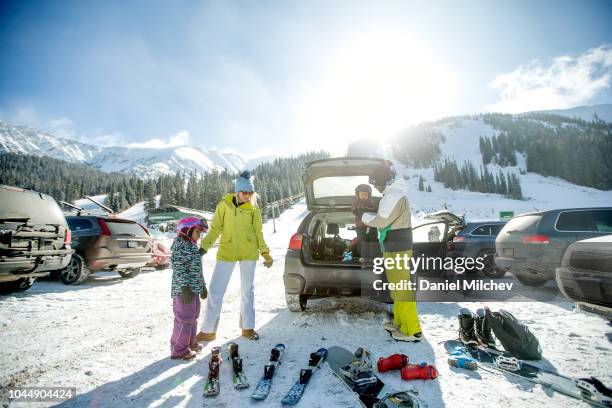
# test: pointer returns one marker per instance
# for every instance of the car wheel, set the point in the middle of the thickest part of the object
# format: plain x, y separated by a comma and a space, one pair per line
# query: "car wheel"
76, 272
18, 285
296, 303
129, 273
531, 280
490, 270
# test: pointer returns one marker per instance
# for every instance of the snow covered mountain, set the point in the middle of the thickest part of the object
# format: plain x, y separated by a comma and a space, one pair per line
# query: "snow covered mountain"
604, 112
139, 161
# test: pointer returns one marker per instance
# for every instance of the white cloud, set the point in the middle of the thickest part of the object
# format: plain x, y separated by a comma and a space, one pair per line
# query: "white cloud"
178, 139
567, 82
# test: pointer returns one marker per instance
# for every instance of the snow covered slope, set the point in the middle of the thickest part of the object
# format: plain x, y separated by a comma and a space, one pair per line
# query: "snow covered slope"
604, 112
461, 144
139, 161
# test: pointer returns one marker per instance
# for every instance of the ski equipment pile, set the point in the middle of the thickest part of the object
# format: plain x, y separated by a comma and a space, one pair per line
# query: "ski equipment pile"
263, 387
211, 387
371, 391
297, 390
580, 389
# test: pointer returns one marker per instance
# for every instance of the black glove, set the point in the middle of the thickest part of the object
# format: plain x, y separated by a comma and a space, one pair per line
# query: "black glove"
186, 295
202, 251
204, 293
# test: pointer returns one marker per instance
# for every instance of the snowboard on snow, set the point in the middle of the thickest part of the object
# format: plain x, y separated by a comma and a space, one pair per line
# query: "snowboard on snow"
496, 360
297, 390
372, 393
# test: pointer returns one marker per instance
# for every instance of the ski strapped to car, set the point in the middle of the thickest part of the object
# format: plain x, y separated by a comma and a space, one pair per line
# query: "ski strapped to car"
238, 377
211, 387
589, 390
297, 390
263, 387
356, 373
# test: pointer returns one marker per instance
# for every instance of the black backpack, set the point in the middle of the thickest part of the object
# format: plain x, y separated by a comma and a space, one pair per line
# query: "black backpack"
516, 338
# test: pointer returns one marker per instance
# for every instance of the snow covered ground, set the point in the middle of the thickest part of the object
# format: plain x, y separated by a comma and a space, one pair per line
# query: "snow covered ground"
110, 338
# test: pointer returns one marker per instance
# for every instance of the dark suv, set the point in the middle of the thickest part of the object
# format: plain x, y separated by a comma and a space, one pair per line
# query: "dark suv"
103, 242
530, 246
477, 239
34, 238
315, 266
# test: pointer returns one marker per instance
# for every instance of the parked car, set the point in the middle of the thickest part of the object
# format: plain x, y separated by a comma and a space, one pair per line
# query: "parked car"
477, 239
34, 238
530, 246
104, 242
161, 250
585, 275
314, 264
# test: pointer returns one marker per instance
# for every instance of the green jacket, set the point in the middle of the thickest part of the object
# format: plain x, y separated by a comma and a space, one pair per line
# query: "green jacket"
240, 229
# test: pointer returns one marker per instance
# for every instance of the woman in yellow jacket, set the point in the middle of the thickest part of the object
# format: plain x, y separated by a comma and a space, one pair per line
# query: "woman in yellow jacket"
237, 220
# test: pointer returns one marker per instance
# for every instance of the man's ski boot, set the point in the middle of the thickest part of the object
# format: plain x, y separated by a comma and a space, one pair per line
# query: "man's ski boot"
483, 330
359, 371
393, 362
467, 334
421, 371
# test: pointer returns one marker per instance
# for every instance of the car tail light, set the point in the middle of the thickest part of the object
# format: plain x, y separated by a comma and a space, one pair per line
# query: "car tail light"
458, 239
296, 241
104, 227
536, 239
68, 237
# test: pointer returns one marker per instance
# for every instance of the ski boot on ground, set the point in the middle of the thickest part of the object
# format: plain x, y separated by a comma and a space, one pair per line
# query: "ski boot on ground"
359, 371
393, 362
250, 334
482, 330
467, 334
390, 327
421, 371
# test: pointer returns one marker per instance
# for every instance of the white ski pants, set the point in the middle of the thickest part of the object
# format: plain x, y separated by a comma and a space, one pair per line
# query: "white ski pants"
216, 290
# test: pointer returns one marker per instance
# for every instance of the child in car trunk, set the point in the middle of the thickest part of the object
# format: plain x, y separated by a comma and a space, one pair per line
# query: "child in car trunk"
188, 286
363, 203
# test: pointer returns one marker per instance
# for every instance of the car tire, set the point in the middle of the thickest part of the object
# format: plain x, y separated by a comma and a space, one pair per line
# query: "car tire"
296, 303
129, 273
18, 285
76, 272
531, 280
490, 270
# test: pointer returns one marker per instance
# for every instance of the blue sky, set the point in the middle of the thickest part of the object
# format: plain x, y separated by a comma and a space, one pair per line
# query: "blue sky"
286, 76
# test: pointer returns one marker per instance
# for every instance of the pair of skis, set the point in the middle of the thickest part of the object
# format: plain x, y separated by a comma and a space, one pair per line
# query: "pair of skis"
211, 387
588, 390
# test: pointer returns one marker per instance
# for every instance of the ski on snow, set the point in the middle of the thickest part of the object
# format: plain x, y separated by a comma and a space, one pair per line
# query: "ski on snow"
263, 387
211, 387
238, 377
297, 390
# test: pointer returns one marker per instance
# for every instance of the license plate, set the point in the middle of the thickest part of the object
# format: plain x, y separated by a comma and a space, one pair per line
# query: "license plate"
509, 251
132, 244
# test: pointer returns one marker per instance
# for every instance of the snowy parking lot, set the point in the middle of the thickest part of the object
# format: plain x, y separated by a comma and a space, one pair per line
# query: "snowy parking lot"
110, 338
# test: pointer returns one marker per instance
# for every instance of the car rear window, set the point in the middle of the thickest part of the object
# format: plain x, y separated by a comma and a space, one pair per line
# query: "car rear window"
127, 228
79, 224
585, 220
340, 186
525, 223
